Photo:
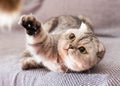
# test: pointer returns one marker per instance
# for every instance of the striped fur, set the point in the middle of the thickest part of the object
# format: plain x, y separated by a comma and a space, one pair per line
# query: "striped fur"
49, 44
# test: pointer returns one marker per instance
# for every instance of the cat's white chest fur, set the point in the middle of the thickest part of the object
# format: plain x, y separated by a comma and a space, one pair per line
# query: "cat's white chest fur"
52, 65
35, 56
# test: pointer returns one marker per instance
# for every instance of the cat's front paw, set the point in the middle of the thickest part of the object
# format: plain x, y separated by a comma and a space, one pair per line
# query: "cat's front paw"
31, 24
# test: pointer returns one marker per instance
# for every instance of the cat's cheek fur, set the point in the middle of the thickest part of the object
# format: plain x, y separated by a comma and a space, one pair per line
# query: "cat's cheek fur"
71, 63
74, 65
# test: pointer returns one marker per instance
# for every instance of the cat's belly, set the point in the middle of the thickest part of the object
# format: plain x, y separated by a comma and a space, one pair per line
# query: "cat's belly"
51, 64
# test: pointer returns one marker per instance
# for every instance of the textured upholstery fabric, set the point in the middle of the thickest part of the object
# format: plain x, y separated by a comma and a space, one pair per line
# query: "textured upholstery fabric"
106, 20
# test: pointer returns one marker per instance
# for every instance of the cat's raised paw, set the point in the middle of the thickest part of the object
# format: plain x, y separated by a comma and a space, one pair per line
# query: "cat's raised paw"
31, 24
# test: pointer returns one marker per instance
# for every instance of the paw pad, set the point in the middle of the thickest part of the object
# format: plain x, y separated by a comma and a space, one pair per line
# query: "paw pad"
30, 23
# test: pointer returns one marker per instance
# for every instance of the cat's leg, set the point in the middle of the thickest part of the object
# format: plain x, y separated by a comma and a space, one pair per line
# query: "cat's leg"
25, 54
38, 42
29, 63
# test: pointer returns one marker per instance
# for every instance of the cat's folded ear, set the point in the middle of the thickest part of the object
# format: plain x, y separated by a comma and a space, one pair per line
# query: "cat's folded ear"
101, 50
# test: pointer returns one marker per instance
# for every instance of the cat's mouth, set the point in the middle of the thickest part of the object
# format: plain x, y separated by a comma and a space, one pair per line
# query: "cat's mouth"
69, 47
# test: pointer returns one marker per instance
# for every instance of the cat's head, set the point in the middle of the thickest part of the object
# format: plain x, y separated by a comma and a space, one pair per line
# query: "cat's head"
80, 49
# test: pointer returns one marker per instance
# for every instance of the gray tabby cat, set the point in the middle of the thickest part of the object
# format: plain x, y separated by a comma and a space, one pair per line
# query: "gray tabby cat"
64, 43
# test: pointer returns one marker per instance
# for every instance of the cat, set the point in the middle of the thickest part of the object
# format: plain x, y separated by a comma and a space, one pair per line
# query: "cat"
9, 12
61, 44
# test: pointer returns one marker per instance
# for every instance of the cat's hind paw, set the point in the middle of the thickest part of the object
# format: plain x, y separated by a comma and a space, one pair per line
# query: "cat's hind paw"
30, 23
28, 63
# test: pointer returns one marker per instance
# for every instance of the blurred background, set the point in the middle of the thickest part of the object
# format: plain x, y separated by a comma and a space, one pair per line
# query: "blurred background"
104, 14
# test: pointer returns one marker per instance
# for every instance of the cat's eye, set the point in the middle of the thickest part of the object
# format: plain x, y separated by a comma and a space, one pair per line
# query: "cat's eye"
82, 50
72, 36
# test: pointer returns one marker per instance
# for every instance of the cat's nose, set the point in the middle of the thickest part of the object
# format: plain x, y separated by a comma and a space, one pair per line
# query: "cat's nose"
71, 46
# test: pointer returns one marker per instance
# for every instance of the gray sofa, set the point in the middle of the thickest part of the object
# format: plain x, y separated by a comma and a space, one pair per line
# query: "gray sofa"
105, 16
